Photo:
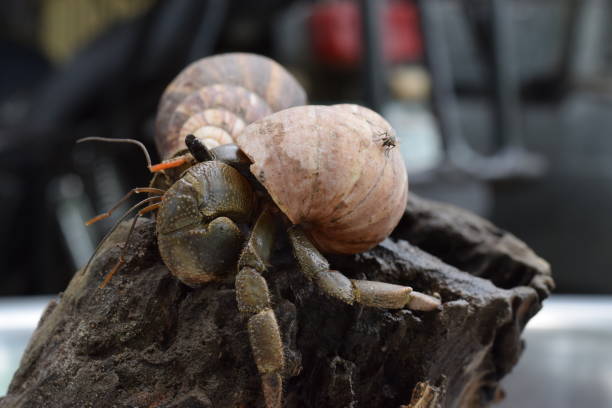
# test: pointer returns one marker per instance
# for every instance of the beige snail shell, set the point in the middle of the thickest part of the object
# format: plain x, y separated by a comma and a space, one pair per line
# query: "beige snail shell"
328, 169
216, 97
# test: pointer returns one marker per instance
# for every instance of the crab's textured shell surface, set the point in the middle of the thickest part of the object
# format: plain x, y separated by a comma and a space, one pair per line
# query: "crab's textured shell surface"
216, 97
327, 169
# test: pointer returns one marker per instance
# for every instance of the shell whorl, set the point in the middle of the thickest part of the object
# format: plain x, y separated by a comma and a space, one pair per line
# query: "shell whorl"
215, 113
216, 97
327, 169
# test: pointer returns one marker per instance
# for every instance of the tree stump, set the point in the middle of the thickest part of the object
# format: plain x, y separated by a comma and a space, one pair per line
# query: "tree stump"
147, 340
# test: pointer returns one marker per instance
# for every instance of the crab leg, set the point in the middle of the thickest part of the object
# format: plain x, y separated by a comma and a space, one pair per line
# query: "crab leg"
253, 299
368, 293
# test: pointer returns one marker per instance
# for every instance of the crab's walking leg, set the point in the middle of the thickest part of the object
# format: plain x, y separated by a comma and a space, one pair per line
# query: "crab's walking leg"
368, 293
254, 299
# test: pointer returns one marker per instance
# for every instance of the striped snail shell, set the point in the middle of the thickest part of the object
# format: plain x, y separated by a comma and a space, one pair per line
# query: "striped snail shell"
216, 97
329, 169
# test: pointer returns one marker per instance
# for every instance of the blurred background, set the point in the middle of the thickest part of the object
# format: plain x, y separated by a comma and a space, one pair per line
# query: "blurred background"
501, 107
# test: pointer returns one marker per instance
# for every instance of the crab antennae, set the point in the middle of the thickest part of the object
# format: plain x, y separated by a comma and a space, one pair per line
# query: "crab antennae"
112, 140
176, 162
109, 233
119, 264
136, 190
121, 260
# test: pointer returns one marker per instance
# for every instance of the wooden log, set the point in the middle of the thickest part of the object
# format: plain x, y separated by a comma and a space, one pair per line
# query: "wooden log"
149, 341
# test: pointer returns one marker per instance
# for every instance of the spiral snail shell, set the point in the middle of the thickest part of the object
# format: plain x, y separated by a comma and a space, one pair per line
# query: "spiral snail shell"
216, 97
328, 169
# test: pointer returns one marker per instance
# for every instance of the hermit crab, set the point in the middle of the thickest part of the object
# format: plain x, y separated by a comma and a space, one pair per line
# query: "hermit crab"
243, 160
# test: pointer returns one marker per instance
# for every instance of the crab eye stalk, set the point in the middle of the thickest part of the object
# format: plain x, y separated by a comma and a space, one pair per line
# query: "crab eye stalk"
198, 149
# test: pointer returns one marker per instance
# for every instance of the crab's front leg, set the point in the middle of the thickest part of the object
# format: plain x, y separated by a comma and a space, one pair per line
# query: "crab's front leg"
368, 293
253, 299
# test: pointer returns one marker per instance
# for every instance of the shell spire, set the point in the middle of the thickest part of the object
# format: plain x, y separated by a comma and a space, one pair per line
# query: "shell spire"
216, 97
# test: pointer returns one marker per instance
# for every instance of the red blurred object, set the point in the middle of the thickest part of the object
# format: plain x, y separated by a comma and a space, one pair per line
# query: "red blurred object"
337, 38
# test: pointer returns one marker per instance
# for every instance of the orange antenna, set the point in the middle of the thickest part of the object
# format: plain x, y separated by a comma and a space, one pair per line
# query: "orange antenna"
112, 140
179, 161
133, 191
121, 260
110, 232
176, 162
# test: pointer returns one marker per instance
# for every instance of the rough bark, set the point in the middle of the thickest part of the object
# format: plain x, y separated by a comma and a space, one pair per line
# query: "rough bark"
149, 341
